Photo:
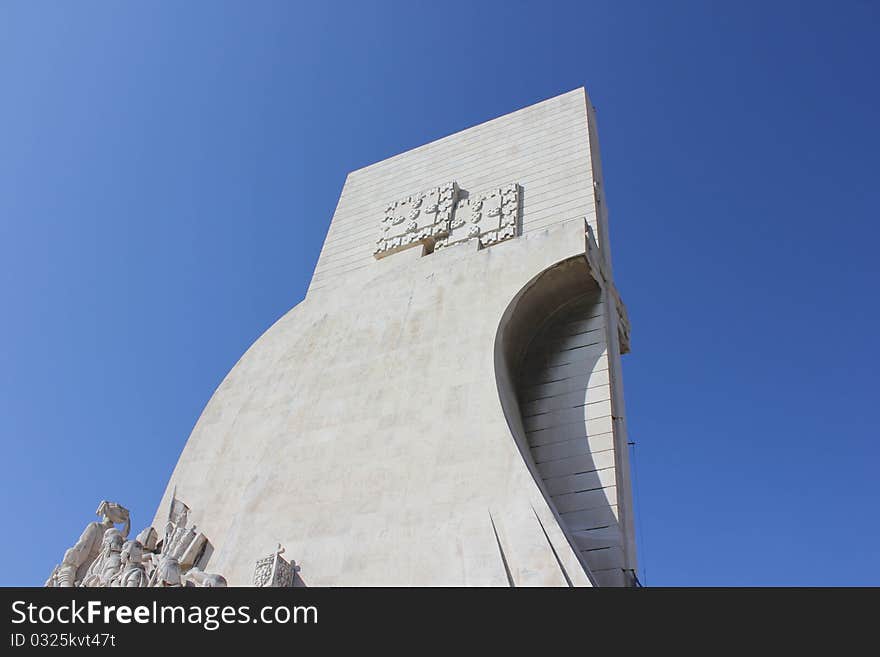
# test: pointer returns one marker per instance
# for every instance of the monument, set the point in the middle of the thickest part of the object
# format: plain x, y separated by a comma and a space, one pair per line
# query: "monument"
444, 407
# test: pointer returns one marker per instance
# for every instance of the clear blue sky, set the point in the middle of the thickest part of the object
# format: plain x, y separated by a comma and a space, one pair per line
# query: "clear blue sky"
168, 171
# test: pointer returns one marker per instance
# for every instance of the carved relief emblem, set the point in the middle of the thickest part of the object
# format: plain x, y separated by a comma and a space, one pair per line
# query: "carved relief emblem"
415, 220
491, 216
274, 570
439, 217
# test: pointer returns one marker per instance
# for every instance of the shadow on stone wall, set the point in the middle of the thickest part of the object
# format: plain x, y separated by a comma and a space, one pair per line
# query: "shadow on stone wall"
550, 340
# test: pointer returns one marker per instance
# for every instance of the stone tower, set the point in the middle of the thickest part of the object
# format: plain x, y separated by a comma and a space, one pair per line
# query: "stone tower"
445, 406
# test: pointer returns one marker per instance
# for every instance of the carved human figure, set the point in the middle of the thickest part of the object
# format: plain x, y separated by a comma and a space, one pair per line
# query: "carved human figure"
178, 540
200, 578
80, 557
132, 573
167, 573
103, 557
148, 539
64, 574
182, 548
108, 562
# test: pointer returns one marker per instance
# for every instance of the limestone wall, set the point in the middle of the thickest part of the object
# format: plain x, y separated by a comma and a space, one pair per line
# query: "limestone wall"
545, 148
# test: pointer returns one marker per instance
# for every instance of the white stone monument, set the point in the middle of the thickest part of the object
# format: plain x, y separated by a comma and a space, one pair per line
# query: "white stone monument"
445, 406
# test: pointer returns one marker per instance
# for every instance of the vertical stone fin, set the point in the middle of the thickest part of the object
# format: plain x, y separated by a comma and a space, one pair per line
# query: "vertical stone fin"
501, 552
553, 549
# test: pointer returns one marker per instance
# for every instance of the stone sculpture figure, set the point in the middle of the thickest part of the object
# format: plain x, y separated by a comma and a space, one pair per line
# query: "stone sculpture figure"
148, 539
195, 576
178, 547
104, 558
108, 562
167, 573
64, 574
132, 573
78, 559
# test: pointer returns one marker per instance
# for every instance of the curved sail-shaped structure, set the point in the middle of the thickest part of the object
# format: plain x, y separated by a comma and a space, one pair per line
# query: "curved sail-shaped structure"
557, 393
